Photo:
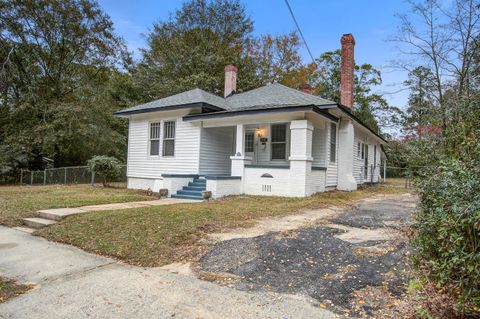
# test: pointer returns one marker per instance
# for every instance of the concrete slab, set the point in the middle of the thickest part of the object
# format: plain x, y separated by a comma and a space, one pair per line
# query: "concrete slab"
74, 284
38, 222
33, 259
60, 213
25, 229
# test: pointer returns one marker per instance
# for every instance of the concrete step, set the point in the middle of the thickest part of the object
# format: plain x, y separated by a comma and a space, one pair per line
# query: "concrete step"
25, 229
38, 222
58, 213
187, 196
197, 184
194, 193
194, 188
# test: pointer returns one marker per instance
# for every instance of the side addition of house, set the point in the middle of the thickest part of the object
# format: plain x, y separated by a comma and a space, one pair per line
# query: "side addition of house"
273, 140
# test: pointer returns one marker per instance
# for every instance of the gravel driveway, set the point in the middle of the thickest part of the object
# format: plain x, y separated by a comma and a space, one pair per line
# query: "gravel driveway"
353, 263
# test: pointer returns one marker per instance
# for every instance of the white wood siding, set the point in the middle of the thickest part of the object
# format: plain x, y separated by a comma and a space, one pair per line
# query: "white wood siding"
319, 146
216, 147
358, 163
332, 171
187, 146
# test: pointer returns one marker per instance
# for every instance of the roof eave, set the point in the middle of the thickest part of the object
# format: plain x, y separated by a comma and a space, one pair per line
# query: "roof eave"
127, 113
347, 111
296, 108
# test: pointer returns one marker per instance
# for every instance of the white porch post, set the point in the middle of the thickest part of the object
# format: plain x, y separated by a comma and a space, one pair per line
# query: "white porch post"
301, 134
239, 159
346, 137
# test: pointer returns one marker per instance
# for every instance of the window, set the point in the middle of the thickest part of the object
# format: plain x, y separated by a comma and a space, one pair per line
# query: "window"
375, 156
365, 173
168, 138
249, 142
154, 139
333, 142
359, 145
363, 151
279, 141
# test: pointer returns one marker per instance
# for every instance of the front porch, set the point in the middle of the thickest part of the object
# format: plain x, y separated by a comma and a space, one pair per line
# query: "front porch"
289, 155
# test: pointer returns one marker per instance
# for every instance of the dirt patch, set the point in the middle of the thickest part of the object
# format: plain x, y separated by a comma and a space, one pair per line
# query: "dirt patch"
279, 224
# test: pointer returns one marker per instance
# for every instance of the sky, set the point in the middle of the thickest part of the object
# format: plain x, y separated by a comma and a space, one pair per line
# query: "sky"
372, 23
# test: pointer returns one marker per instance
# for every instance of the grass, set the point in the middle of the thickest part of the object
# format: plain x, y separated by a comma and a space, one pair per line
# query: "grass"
154, 236
17, 202
8, 289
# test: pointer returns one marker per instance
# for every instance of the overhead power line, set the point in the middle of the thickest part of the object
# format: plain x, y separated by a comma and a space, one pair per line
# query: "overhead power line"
299, 30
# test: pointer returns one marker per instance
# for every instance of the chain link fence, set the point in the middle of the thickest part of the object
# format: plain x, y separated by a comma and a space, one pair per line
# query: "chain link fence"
63, 175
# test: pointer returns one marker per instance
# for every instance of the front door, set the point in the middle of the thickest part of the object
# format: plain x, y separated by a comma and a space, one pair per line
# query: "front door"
250, 143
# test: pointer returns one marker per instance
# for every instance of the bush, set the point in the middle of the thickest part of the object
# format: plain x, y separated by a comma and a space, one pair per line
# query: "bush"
107, 168
448, 224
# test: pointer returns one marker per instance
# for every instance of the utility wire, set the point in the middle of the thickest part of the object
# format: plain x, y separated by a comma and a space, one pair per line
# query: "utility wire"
299, 30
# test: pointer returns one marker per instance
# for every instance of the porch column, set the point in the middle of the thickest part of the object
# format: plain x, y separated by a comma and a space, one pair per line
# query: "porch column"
301, 133
239, 159
346, 138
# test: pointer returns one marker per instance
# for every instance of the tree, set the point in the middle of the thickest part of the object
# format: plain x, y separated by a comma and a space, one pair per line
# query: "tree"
57, 60
191, 49
276, 58
370, 107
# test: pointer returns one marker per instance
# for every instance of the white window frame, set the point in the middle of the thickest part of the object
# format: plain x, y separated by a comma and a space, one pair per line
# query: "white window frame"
334, 144
164, 138
150, 139
285, 142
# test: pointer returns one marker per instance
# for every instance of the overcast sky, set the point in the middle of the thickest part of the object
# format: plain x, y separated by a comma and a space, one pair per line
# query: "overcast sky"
323, 22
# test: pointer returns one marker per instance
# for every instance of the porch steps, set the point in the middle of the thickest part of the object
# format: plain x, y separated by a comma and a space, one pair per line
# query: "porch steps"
37, 223
193, 190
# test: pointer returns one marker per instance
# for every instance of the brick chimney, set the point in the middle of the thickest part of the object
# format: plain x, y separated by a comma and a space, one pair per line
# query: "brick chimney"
348, 66
305, 88
230, 79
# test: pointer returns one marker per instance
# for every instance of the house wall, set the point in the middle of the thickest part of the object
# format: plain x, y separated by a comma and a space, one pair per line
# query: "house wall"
216, 147
276, 185
142, 168
358, 163
263, 152
319, 145
224, 187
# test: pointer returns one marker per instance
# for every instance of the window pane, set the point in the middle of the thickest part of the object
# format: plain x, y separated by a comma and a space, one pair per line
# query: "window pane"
279, 133
154, 131
279, 151
248, 142
168, 147
169, 130
154, 147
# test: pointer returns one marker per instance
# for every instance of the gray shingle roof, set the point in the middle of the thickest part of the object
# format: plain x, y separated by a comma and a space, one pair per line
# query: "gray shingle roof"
182, 99
269, 96
273, 95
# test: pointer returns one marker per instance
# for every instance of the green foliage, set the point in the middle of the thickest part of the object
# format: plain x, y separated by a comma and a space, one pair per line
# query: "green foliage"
448, 242
191, 49
370, 107
108, 168
60, 84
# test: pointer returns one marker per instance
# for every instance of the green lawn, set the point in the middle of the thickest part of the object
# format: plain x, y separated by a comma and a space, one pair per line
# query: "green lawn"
17, 202
154, 236
8, 289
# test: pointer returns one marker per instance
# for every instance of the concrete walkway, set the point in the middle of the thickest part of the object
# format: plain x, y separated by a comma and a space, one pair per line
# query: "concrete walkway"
48, 217
70, 283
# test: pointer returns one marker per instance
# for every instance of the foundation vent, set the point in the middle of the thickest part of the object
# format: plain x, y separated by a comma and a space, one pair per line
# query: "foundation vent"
267, 188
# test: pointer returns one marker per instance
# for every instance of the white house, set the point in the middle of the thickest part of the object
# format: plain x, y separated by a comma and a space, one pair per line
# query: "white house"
273, 140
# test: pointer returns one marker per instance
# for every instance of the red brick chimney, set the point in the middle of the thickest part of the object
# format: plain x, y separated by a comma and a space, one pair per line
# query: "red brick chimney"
305, 88
348, 66
230, 79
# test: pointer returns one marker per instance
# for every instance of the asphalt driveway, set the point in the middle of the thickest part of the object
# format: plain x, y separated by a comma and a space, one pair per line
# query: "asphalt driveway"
355, 263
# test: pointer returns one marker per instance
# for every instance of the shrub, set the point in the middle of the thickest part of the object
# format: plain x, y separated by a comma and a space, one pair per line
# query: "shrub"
448, 224
107, 168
